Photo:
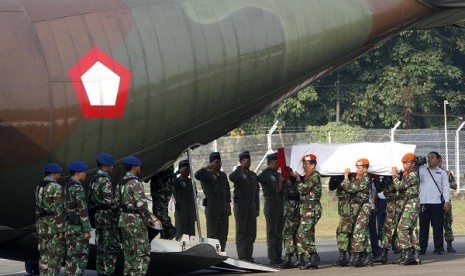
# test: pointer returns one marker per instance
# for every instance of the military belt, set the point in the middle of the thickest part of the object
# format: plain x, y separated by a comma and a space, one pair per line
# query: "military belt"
360, 201
313, 201
45, 214
292, 198
129, 211
102, 207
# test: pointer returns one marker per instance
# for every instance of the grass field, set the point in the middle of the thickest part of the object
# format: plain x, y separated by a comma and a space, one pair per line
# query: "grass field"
326, 227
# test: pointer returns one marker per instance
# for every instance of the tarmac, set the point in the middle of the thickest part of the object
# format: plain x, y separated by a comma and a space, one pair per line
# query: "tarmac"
432, 264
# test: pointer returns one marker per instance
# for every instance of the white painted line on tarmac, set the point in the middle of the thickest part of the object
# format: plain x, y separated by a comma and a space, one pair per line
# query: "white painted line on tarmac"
13, 273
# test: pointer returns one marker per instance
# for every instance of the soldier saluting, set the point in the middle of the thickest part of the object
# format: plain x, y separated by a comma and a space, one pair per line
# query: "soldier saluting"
105, 200
246, 206
77, 225
217, 200
49, 220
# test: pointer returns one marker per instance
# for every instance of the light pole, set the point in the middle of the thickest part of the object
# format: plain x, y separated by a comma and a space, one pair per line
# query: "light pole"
457, 156
445, 133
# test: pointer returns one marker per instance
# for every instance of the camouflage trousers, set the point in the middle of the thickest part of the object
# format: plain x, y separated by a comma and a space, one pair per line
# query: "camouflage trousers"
393, 214
108, 244
448, 219
160, 210
309, 217
136, 250
51, 253
77, 251
346, 223
407, 223
291, 225
360, 242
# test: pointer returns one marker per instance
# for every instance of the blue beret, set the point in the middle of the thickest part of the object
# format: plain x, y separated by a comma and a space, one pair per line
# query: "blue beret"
214, 156
77, 166
272, 156
131, 161
243, 155
105, 159
53, 168
183, 164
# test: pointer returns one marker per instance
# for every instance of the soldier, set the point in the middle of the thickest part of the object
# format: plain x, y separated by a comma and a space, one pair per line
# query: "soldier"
162, 187
292, 216
185, 215
448, 217
393, 214
273, 193
134, 220
246, 206
309, 187
105, 202
408, 188
49, 220
358, 187
77, 225
345, 226
217, 201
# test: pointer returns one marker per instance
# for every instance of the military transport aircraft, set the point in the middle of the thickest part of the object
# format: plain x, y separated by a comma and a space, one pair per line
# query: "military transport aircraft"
154, 77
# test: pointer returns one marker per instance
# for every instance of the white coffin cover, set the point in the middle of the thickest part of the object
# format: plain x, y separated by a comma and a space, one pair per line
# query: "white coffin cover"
333, 159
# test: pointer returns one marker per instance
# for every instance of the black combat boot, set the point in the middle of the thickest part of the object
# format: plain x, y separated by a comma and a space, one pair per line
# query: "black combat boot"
353, 256
300, 261
384, 256
409, 258
313, 262
359, 259
287, 262
342, 261
368, 260
416, 254
401, 257
450, 249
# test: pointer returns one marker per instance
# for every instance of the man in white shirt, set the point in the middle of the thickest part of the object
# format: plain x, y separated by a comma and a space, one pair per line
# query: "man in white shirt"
433, 183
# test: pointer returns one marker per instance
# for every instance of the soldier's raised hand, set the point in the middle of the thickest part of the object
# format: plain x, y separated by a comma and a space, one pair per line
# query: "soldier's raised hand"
346, 173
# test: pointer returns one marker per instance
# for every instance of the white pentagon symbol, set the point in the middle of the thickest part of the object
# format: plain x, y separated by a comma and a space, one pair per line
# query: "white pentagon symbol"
101, 85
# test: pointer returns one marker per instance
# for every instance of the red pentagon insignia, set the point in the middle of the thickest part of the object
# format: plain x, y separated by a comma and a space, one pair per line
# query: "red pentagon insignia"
101, 85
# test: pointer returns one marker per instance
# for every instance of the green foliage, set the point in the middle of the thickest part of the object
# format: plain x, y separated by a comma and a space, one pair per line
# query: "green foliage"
336, 132
406, 79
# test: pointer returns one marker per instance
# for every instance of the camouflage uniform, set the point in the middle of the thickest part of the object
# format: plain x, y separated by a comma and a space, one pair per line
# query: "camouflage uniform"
346, 221
359, 210
217, 204
134, 220
309, 189
408, 189
393, 214
76, 225
49, 223
246, 210
274, 212
162, 188
292, 216
107, 238
185, 215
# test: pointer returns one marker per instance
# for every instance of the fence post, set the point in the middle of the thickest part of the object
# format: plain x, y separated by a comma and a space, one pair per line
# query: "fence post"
394, 129
269, 150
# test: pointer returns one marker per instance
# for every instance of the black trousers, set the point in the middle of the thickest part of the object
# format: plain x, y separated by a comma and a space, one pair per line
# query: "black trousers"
376, 225
432, 214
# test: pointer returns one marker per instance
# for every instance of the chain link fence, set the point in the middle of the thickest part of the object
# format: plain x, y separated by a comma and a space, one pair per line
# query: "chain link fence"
426, 140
